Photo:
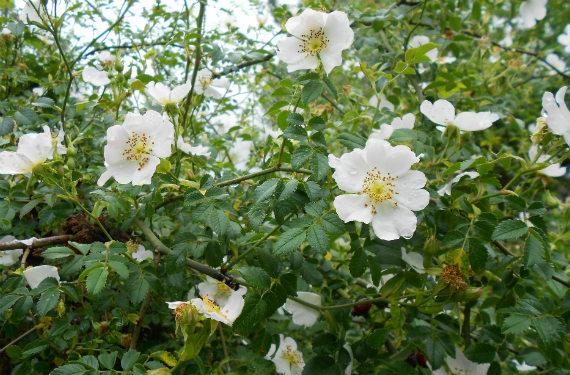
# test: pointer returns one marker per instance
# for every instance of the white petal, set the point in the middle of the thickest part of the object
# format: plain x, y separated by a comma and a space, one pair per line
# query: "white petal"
15, 163
304, 315
143, 176
460, 364
391, 223
338, 31
380, 102
410, 197
405, 122
473, 121
388, 159
306, 21
180, 92
383, 133
353, 207
350, 170
557, 113
331, 58
35, 275
174, 304
288, 50
95, 76
441, 112
446, 189
142, 254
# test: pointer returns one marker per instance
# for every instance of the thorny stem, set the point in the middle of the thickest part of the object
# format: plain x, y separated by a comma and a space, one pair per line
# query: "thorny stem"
19, 338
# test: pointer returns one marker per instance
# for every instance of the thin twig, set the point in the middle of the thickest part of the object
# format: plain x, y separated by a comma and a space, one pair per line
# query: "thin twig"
37, 243
19, 338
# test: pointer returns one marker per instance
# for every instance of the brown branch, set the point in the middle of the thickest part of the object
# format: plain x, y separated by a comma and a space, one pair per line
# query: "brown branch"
138, 325
37, 243
243, 65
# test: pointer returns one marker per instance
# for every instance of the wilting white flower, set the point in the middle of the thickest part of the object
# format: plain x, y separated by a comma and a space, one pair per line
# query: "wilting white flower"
194, 150
304, 315
555, 61
287, 358
446, 189
532, 11
420, 40
315, 35
442, 113
557, 113
564, 38
523, 367
142, 254
219, 291
553, 170
95, 76
380, 101
134, 149
239, 153
382, 190
163, 95
175, 304
226, 314
9, 257
219, 301
209, 87
32, 11
33, 149
35, 275
414, 260
6, 31
386, 130
461, 365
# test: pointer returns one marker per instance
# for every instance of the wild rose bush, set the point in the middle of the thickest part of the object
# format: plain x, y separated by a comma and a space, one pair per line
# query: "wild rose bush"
355, 187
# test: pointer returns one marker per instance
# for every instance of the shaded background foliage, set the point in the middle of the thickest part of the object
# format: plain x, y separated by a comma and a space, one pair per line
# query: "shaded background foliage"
278, 231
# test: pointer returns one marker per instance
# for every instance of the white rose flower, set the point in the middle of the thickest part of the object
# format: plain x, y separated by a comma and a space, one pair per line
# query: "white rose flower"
382, 190
461, 365
557, 113
446, 189
163, 95
304, 315
553, 170
287, 358
564, 39
218, 291
95, 76
32, 11
414, 260
33, 149
134, 149
9, 257
240, 152
106, 57
315, 36
142, 254
420, 40
209, 87
226, 314
386, 130
554, 60
194, 150
35, 275
442, 113
532, 11
380, 101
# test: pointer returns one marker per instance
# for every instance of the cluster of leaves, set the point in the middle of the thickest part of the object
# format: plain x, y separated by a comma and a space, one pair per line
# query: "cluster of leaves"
275, 229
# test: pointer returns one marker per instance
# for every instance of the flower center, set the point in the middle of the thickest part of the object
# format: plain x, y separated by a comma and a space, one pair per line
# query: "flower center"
379, 188
313, 42
292, 356
205, 82
139, 147
212, 307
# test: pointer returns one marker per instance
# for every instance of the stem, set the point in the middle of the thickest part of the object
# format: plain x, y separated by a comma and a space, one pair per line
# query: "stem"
19, 338
37, 243
261, 173
466, 327
138, 325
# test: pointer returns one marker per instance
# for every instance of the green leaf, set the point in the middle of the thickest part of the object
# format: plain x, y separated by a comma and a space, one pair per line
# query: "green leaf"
266, 189
69, 369
256, 277
418, 54
289, 241
108, 360
96, 279
288, 190
300, 156
533, 250
481, 353
57, 252
129, 359
319, 166
478, 255
120, 268
516, 324
311, 91
509, 230
549, 328
48, 300
321, 365
295, 119
318, 238
254, 311
358, 262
